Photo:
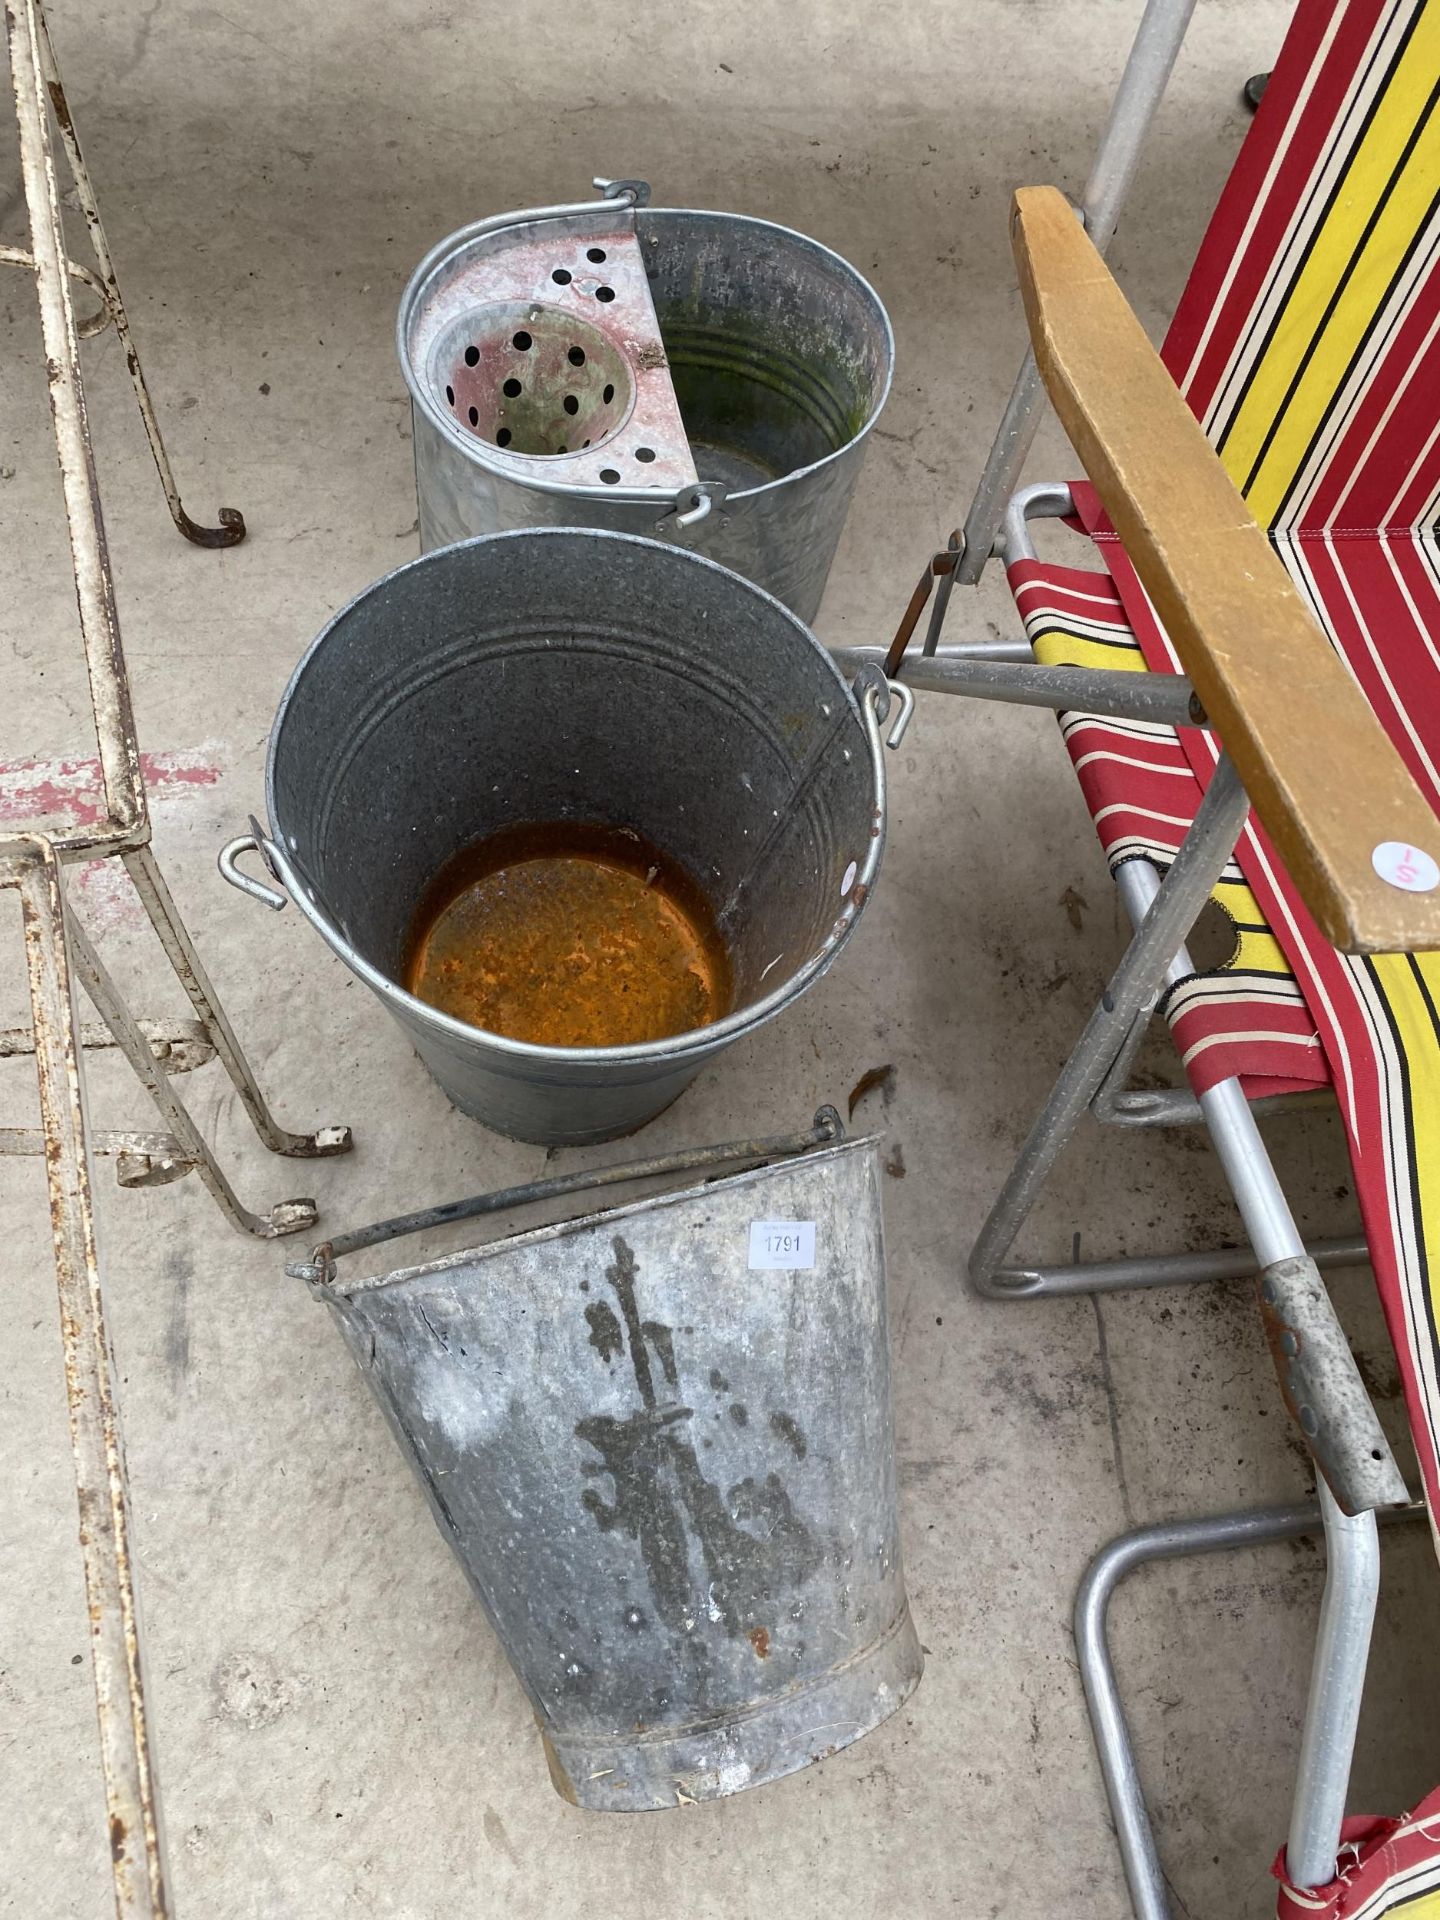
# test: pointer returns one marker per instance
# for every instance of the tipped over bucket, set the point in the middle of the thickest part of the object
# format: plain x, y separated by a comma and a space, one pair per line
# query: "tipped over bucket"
659, 1440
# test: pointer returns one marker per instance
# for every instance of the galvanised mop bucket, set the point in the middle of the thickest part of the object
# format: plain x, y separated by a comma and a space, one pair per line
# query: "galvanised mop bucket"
659, 1440
697, 377
559, 675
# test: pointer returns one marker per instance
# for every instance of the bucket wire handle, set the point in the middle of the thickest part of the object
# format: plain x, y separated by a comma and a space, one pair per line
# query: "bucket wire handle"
635, 193
319, 1270
253, 842
694, 502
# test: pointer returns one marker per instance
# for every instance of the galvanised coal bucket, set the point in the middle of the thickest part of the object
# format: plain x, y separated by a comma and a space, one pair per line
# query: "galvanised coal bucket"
560, 675
659, 1441
698, 377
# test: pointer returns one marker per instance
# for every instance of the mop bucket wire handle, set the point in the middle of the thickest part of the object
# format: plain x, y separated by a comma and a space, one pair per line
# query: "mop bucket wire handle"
319, 1271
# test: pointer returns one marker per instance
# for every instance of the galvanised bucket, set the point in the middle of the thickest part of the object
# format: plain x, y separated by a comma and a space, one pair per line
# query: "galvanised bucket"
659, 1440
560, 675
698, 377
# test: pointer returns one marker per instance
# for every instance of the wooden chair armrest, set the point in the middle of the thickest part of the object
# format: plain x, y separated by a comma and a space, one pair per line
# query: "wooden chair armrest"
1319, 768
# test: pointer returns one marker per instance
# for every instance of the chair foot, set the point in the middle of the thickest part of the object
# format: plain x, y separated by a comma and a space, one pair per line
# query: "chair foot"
1177, 1540
229, 533
1153, 1270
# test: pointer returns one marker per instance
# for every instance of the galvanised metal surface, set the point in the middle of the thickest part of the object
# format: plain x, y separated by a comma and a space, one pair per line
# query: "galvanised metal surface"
668, 1473
558, 675
541, 340
780, 356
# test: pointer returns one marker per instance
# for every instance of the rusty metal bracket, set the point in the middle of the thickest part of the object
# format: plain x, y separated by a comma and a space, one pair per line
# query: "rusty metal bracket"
142, 1158
939, 566
179, 1045
111, 311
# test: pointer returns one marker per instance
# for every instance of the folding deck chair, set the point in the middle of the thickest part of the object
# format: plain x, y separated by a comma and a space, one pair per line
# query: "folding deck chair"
1307, 348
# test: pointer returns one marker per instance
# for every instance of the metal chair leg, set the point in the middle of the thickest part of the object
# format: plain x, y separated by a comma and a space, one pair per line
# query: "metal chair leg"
1337, 1680
1134, 987
1231, 1119
286, 1216
231, 529
1065, 1280
1337, 1685
1147, 71
136, 1853
144, 871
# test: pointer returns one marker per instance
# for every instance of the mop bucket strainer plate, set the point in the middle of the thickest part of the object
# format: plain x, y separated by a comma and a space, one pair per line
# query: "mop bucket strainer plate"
539, 351
659, 1440
704, 377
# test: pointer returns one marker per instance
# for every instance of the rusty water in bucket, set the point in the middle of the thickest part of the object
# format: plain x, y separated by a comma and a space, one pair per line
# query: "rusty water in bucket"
569, 934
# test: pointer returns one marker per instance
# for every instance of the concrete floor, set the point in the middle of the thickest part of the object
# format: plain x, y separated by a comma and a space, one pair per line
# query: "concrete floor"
338, 1731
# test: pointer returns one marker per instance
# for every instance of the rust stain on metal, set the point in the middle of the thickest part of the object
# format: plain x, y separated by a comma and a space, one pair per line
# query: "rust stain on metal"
559, 1778
759, 1638
1285, 1347
569, 935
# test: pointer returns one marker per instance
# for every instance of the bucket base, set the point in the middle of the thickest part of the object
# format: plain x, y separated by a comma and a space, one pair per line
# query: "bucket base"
649, 1772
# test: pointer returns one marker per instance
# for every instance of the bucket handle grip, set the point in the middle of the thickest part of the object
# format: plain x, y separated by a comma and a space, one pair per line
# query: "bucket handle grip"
228, 862
827, 1130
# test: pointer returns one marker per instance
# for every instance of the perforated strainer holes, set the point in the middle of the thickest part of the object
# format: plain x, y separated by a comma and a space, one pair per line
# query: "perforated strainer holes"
544, 381
610, 476
450, 395
472, 356
604, 293
562, 276
596, 254
647, 454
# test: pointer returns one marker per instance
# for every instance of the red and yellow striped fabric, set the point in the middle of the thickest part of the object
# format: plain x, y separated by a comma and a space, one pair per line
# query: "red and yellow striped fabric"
1249, 1017
1385, 1866
1306, 343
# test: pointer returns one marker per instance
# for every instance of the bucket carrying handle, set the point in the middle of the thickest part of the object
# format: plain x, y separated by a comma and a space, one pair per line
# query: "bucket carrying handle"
828, 1129
228, 860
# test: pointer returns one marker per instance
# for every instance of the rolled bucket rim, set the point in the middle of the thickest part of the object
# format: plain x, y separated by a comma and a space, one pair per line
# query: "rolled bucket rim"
676, 1047
476, 449
346, 1287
